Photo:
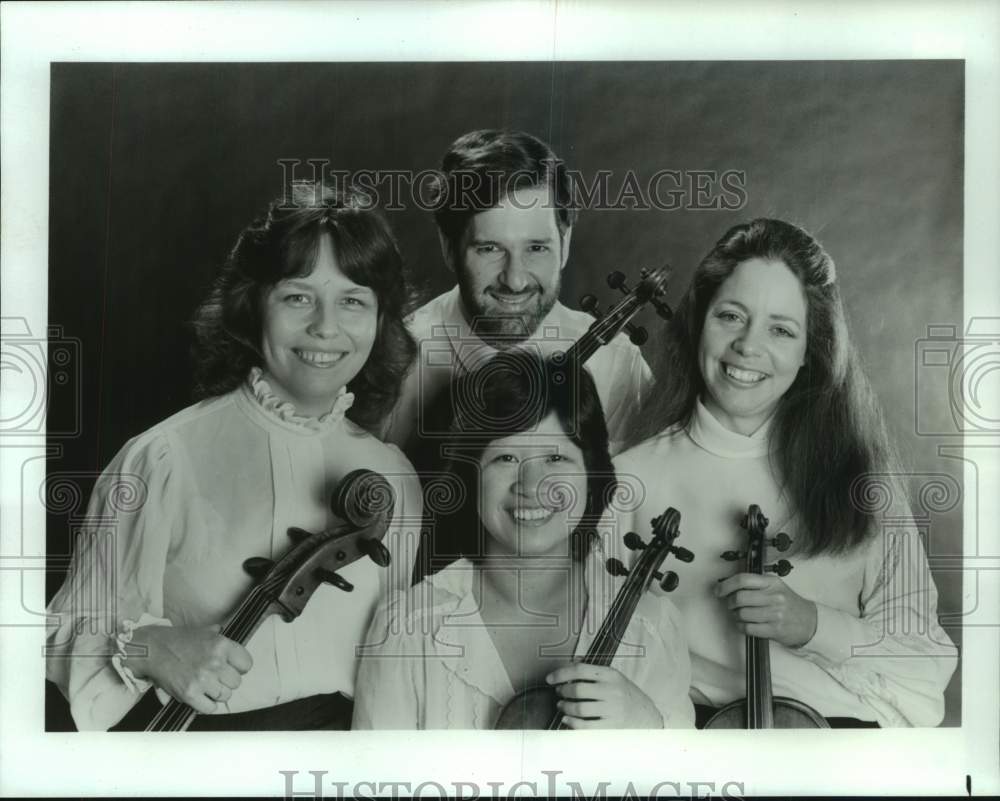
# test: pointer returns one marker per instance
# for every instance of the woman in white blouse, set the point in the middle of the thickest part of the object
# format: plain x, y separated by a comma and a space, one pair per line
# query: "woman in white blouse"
761, 401
521, 604
301, 351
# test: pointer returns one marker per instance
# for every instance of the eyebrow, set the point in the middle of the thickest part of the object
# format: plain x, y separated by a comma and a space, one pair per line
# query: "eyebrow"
300, 283
533, 451
544, 240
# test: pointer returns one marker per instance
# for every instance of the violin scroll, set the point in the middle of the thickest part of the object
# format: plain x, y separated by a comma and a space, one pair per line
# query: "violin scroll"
756, 525
754, 519
666, 529
361, 496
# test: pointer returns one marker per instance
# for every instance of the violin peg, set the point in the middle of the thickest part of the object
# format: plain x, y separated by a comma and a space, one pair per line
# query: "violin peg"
732, 556
615, 567
589, 304
682, 553
781, 568
669, 581
257, 566
662, 309
297, 534
781, 541
616, 280
335, 579
634, 542
637, 334
375, 551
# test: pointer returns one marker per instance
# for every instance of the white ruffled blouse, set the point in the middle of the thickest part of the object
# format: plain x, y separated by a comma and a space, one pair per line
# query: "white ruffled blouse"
176, 513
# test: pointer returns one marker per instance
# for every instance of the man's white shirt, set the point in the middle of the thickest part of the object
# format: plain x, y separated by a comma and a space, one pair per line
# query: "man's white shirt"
447, 346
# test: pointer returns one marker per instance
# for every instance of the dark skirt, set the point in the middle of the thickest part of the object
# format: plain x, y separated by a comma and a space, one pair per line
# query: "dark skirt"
317, 712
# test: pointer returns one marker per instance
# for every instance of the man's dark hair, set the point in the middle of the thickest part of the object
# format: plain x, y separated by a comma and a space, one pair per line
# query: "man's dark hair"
481, 168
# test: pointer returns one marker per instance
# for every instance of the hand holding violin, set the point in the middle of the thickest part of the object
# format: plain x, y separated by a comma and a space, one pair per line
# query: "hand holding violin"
197, 666
764, 606
596, 697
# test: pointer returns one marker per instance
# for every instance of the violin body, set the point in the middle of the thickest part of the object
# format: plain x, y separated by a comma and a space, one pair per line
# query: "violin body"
533, 708
787, 713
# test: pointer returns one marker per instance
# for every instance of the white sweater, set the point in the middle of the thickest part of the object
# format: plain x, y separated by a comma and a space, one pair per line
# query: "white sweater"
878, 652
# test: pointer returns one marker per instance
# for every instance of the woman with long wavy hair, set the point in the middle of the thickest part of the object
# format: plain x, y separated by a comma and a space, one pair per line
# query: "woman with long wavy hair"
761, 400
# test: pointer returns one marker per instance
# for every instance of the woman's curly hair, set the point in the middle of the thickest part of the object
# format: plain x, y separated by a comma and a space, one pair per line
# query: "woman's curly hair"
284, 243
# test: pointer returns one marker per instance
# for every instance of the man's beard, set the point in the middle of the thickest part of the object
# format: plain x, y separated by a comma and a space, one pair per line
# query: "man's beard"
503, 329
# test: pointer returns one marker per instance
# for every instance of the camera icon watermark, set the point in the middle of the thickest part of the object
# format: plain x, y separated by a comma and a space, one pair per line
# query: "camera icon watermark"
36, 369
452, 372
955, 378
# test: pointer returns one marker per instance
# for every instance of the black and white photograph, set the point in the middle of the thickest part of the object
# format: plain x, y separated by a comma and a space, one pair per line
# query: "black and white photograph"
386, 383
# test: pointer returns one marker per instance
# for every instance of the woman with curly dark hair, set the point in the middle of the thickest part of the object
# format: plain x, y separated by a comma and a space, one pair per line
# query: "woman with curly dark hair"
762, 401
300, 353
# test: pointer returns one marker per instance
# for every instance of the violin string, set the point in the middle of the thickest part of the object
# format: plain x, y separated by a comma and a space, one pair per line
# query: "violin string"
586, 345
620, 611
605, 635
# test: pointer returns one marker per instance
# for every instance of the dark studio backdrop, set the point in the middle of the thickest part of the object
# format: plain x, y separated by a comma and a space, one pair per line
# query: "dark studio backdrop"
155, 168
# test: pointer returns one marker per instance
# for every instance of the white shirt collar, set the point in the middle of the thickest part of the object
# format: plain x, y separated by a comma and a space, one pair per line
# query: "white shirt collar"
266, 403
710, 435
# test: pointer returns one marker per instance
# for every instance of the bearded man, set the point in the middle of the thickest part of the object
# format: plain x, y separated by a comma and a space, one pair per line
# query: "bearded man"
505, 208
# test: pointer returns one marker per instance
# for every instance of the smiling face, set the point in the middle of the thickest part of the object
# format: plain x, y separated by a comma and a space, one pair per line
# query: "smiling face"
317, 333
533, 491
752, 344
510, 262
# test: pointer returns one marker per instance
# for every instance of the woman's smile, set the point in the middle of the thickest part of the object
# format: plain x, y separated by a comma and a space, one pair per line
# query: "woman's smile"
319, 358
535, 516
743, 376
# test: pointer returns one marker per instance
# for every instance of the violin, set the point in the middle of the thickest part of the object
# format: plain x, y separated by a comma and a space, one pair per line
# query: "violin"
650, 289
364, 502
535, 707
761, 709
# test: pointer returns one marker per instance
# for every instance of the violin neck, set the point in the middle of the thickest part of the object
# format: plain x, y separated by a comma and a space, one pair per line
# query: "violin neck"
605, 645
760, 698
176, 715
602, 331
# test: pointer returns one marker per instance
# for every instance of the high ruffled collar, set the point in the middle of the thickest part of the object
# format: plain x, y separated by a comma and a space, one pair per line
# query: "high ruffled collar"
284, 411
709, 434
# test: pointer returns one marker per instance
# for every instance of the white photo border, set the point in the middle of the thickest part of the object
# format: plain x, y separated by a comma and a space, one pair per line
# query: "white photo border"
857, 762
